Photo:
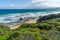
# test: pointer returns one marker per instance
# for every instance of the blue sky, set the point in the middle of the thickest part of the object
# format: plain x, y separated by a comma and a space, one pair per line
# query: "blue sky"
28, 4
13, 3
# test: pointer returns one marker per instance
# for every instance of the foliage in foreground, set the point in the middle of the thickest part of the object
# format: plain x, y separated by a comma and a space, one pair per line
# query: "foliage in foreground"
38, 31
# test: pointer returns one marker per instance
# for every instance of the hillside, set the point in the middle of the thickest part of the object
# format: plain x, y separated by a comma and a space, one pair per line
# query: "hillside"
46, 28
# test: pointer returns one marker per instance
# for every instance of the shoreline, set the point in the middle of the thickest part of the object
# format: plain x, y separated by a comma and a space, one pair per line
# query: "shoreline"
19, 24
9, 18
24, 21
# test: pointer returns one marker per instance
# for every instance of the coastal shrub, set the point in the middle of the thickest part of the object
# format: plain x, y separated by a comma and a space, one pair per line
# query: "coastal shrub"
42, 26
1, 33
13, 36
45, 26
25, 25
30, 33
48, 17
55, 24
36, 31
3, 27
58, 28
26, 34
29, 25
44, 37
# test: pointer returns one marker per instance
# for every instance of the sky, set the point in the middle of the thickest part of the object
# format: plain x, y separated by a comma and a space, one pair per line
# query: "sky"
28, 4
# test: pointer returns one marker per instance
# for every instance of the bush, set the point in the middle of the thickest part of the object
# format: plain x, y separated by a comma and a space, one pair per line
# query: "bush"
48, 17
14, 36
45, 26
42, 26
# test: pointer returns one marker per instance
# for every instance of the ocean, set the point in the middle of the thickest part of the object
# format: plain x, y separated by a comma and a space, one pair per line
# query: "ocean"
12, 16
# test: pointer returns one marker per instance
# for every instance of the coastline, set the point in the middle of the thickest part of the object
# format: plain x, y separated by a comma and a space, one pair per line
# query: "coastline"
19, 24
31, 20
13, 17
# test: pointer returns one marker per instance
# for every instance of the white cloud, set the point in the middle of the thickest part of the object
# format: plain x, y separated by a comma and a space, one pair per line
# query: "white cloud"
34, 4
45, 3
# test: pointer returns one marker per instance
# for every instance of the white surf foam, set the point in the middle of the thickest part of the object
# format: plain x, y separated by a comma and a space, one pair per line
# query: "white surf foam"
16, 16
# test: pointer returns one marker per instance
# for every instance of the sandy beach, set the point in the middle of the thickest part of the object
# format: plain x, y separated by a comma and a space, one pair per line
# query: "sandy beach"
18, 25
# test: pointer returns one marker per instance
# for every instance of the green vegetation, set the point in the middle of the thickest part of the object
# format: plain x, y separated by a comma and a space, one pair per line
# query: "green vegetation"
48, 17
42, 30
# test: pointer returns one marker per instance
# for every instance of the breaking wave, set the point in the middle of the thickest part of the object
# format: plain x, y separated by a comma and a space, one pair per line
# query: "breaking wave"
14, 17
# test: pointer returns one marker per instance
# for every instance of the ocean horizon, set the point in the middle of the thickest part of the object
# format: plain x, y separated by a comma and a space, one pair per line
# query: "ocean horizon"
12, 16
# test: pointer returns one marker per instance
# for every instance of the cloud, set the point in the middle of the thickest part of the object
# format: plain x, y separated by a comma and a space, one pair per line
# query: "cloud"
34, 4
45, 3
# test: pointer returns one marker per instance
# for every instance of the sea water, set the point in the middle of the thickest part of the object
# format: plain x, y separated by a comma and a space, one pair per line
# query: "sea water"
12, 16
